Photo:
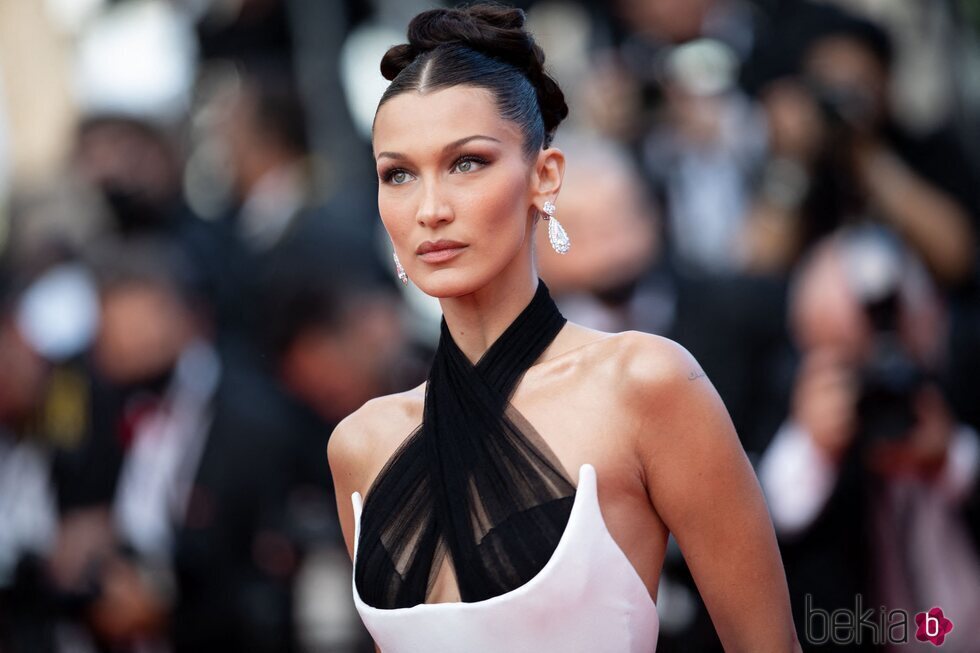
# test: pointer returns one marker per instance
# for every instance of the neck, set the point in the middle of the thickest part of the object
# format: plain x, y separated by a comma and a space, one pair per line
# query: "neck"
477, 319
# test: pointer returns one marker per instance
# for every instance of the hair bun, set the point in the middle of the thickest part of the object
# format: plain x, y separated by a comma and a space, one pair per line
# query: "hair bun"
494, 30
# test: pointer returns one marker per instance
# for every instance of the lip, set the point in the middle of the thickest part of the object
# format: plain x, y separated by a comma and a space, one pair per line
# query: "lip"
439, 250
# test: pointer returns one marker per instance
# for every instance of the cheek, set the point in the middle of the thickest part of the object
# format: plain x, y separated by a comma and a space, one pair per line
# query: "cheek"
397, 213
498, 206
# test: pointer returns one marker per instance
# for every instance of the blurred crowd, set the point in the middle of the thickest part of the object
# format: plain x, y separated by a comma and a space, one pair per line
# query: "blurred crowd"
195, 287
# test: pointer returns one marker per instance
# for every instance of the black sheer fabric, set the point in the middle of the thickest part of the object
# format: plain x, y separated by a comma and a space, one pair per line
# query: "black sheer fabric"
474, 491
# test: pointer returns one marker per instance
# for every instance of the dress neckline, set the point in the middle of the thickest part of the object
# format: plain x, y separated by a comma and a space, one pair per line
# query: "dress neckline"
586, 481
473, 464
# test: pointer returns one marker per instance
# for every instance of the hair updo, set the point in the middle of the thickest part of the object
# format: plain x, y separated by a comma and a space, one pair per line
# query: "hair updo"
485, 46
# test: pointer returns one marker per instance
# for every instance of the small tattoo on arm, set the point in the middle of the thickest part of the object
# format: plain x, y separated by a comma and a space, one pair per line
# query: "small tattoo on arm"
696, 374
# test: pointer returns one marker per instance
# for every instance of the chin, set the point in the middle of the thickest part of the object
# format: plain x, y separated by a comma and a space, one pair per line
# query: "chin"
449, 282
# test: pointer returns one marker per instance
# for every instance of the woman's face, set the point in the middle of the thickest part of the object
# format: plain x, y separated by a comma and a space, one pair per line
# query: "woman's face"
450, 168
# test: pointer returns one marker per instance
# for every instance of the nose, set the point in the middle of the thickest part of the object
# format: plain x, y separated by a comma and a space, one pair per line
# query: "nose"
434, 209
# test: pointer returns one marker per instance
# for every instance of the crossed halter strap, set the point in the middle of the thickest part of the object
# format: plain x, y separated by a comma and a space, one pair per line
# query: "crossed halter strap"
474, 480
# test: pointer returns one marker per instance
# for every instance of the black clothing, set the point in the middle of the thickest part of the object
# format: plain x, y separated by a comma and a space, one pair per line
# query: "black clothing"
233, 558
474, 481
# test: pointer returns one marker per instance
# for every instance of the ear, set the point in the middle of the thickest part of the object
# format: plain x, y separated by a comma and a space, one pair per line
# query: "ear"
546, 177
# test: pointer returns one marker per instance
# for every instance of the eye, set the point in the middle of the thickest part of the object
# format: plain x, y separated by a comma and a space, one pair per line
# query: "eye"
469, 164
396, 177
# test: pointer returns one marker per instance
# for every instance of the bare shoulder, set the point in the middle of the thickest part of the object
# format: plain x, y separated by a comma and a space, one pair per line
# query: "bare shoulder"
631, 365
663, 387
646, 363
649, 358
362, 442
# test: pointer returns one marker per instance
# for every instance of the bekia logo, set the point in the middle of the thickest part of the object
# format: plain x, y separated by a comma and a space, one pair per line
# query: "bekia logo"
863, 624
933, 626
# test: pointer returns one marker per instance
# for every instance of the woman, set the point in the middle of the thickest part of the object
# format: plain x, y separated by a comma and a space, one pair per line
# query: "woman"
475, 534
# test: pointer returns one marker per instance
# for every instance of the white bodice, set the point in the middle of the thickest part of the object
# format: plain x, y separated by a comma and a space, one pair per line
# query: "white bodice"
588, 598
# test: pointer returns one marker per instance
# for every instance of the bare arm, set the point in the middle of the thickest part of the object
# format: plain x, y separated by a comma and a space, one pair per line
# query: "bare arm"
345, 453
344, 456
933, 221
703, 487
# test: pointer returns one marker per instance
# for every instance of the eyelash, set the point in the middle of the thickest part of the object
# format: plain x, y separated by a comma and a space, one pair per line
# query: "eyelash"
387, 175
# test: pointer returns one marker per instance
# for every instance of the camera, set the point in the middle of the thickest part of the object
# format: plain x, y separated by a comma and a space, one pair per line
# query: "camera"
843, 107
889, 382
890, 378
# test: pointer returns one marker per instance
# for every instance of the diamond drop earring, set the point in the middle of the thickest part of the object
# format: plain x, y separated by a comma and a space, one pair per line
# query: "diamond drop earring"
398, 267
556, 233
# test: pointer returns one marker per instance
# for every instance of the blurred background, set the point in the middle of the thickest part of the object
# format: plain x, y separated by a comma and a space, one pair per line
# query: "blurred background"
195, 288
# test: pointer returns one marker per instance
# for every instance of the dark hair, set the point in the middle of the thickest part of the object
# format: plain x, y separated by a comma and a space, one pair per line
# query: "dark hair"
782, 52
277, 103
149, 260
486, 46
870, 35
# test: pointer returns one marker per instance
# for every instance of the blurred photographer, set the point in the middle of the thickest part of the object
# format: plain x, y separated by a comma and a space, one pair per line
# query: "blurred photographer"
838, 155
871, 480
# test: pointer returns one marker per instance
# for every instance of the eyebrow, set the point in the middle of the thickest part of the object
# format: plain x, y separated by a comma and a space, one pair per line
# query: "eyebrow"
451, 146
